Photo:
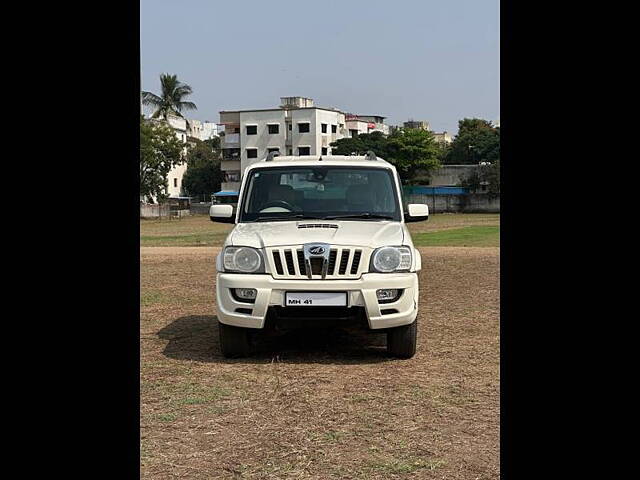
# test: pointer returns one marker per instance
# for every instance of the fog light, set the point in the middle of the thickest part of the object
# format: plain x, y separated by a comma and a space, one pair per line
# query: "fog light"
387, 295
246, 293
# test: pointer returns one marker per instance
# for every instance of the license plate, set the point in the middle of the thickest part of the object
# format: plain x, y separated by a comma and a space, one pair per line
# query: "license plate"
316, 299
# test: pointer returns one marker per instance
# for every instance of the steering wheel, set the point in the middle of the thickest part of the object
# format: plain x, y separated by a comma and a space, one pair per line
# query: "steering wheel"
279, 203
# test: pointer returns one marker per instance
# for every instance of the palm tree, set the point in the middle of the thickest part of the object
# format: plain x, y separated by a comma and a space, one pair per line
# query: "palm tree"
170, 101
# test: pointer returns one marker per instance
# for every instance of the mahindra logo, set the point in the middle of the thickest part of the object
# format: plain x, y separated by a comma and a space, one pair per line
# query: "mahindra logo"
317, 250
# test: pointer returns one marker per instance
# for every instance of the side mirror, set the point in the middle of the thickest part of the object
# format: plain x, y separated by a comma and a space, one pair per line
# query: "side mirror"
416, 212
221, 213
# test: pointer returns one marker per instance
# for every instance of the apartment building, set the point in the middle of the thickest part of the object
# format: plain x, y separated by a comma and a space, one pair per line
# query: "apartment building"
418, 124
185, 129
440, 137
296, 127
202, 130
357, 124
174, 178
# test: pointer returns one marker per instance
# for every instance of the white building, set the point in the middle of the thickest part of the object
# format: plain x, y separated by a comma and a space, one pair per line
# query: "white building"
443, 137
209, 130
184, 129
357, 124
297, 127
202, 130
174, 178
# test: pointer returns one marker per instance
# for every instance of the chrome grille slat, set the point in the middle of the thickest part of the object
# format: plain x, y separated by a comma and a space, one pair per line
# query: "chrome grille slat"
350, 262
344, 262
298, 271
332, 261
290, 264
355, 264
277, 260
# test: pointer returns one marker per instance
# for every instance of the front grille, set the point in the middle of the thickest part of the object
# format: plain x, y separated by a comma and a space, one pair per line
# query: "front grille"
344, 262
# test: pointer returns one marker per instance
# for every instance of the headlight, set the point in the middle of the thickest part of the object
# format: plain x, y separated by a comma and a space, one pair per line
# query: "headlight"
391, 259
242, 260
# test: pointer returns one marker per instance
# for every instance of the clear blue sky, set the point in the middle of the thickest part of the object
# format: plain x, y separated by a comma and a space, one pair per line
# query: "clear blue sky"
423, 59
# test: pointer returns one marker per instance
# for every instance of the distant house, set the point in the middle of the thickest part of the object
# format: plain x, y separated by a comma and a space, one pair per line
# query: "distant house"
185, 130
443, 137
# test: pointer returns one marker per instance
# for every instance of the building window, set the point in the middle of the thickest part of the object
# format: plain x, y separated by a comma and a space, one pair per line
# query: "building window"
273, 149
303, 127
273, 129
290, 151
304, 150
236, 130
289, 127
252, 153
252, 129
324, 127
354, 133
175, 182
324, 150
334, 128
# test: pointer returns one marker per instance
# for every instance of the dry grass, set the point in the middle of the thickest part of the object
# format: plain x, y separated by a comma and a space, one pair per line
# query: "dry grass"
329, 406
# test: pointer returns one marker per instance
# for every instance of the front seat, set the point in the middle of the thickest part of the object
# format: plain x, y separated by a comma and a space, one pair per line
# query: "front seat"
284, 193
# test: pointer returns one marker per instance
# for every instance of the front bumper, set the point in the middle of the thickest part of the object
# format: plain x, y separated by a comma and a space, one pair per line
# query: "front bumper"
360, 293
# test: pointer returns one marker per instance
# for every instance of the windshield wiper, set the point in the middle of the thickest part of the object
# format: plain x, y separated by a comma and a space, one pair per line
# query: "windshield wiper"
360, 215
289, 217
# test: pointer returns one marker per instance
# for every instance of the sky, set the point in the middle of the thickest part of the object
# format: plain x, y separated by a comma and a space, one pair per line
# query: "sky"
437, 61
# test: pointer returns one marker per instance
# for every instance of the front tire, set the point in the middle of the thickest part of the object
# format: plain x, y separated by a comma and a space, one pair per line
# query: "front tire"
402, 341
234, 341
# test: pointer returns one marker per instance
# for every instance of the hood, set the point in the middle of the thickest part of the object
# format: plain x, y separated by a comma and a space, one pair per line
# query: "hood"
371, 234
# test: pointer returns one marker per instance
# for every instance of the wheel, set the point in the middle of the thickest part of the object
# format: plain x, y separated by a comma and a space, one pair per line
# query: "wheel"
401, 341
234, 341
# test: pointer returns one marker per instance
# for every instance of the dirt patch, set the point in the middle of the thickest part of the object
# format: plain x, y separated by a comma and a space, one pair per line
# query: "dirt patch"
328, 405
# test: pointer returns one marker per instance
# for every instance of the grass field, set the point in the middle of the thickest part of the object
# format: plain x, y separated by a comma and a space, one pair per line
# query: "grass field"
320, 405
479, 230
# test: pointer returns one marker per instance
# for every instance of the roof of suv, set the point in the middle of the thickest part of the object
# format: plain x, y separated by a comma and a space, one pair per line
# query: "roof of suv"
342, 160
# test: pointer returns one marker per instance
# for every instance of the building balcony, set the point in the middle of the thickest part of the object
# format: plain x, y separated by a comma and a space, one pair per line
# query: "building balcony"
230, 140
230, 154
227, 165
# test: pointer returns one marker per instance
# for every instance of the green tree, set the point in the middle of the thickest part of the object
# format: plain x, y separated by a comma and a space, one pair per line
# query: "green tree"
203, 175
477, 141
415, 153
171, 99
361, 144
160, 151
484, 179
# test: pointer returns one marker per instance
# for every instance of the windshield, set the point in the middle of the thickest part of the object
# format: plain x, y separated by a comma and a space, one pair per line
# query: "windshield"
274, 194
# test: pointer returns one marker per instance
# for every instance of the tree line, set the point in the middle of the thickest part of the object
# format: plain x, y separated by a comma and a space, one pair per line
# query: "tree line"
417, 154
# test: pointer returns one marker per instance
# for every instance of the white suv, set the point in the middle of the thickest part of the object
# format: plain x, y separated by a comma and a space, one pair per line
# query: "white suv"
318, 240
